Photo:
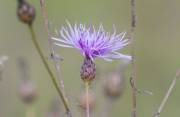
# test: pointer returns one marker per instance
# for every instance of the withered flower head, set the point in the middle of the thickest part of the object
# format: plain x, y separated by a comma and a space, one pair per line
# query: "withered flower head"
25, 12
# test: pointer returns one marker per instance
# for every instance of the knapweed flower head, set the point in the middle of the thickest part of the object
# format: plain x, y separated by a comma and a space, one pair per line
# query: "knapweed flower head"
92, 42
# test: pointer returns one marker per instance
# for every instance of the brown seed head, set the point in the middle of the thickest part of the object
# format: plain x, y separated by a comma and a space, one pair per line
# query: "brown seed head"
88, 70
83, 101
27, 92
25, 12
114, 85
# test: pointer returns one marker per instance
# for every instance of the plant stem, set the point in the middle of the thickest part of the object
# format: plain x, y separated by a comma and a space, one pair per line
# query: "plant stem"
168, 93
87, 85
52, 50
34, 40
53, 53
133, 74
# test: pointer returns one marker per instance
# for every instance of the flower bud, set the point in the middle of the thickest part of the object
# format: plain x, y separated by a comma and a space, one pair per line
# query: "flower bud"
88, 70
25, 12
114, 85
90, 98
27, 92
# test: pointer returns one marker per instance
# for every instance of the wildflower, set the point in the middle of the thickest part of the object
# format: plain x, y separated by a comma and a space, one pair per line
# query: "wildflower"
93, 43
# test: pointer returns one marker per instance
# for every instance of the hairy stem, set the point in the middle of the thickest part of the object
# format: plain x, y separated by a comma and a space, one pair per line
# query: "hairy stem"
34, 40
133, 74
52, 50
53, 54
87, 84
168, 93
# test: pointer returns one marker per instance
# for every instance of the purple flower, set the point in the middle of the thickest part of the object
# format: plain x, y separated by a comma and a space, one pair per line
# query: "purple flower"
93, 43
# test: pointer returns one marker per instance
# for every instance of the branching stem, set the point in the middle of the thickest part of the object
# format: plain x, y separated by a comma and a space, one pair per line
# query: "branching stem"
34, 40
133, 74
168, 93
53, 54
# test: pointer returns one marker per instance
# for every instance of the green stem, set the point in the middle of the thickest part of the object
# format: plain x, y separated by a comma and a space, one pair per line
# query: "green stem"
87, 85
34, 40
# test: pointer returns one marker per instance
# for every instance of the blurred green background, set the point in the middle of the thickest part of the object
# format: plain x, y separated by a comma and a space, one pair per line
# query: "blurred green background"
157, 41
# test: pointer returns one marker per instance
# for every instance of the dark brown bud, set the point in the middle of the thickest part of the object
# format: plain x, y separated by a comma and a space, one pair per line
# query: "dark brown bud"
27, 92
25, 12
83, 100
88, 70
114, 85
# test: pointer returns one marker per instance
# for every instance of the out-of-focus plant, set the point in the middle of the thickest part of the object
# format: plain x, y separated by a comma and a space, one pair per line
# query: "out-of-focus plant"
113, 86
85, 99
27, 90
54, 110
26, 14
3, 60
92, 43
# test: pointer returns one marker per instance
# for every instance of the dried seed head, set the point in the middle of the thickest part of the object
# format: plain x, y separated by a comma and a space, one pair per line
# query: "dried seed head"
83, 100
25, 12
114, 85
27, 92
88, 70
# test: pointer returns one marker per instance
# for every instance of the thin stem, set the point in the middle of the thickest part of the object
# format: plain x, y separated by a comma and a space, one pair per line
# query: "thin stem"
133, 112
34, 40
133, 74
52, 50
53, 53
168, 93
87, 84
